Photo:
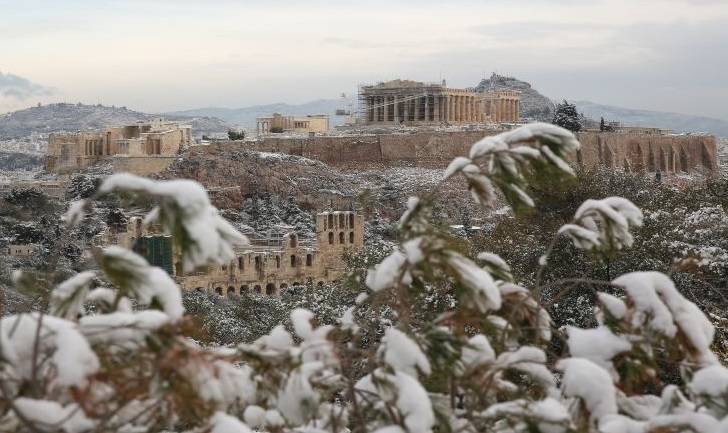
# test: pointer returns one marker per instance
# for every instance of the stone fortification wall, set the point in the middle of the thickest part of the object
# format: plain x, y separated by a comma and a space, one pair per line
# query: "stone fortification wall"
635, 152
641, 152
141, 165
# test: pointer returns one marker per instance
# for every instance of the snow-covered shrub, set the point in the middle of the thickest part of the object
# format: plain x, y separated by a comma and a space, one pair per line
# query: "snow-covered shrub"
484, 362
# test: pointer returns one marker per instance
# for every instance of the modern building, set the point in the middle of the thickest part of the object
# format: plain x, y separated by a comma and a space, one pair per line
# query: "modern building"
71, 151
296, 124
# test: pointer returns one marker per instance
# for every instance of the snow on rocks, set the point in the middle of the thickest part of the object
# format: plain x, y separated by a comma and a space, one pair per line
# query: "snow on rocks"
185, 210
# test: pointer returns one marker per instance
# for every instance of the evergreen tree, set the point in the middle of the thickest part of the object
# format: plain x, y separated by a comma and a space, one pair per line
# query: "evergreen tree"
602, 126
567, 117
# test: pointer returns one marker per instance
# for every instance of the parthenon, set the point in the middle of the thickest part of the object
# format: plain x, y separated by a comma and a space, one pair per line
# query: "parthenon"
502, 105
412, 102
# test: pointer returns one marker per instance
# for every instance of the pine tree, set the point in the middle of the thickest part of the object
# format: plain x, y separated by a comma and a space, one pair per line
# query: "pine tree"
567, 117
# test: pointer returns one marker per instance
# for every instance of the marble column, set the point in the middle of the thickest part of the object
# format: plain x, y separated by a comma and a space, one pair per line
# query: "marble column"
427, 109
446, 107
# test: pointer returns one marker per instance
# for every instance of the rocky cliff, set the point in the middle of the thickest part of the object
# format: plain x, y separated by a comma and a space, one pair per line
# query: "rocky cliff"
232, 173
534, 105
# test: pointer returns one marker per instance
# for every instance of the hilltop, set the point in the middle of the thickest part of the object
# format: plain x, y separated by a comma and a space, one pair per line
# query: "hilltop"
77, 117
674, 121
534, 105
245, 116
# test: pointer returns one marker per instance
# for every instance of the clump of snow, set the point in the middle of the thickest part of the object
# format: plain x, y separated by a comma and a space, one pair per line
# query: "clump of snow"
485, 295
403, 354
405, 393
51, 416
224, 423
388, 273
600, 223
297, 400
75, 213
591, 383
477, 352
613, 305
658, 304
598, 345
67, 299
184, 206
70, 354
148, 282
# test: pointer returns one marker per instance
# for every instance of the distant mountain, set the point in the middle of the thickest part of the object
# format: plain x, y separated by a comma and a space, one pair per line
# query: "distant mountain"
674, 121
534, 105
245, 117
79, 117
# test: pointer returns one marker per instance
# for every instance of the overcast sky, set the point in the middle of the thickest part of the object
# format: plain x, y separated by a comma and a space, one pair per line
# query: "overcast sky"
159, 55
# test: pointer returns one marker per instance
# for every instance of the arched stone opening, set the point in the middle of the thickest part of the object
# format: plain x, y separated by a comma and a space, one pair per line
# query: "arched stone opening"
199, 289
293, 260
342, 220
218, 290
705, 157
294, 241
331, 220
651, 166
684, 161
278, 261
309, 260
231, 291
257, 263
639, 164
296, 284
351, 220
351, 237
320, 284
341, 237
257, 288
244, 289
331, 238
270, 289
241, 263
